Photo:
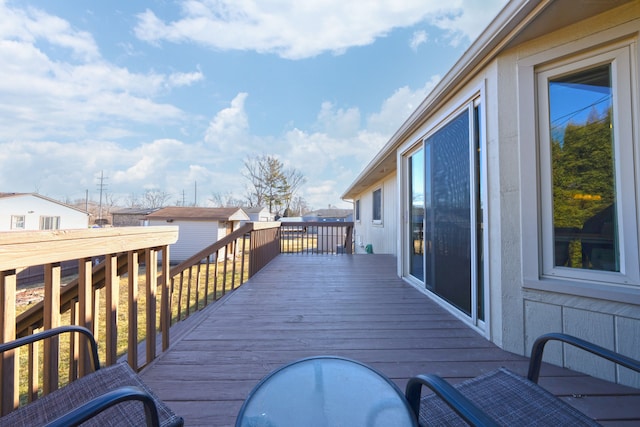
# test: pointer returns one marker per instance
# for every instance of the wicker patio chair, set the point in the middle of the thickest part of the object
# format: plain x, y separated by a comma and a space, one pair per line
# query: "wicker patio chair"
501, 397
110, 396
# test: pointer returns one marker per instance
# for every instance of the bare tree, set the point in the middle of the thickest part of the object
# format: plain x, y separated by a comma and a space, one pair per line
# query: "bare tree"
299, 207
155, 199
132, 201
225, 200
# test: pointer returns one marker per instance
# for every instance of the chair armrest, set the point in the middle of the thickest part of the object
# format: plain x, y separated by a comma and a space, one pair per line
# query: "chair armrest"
452, 397
538, 349
29, 339
105, 401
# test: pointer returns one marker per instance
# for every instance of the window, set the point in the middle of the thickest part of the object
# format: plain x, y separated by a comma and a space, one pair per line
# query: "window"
377, 206
49, 222
357, 209
587, 170
17, 222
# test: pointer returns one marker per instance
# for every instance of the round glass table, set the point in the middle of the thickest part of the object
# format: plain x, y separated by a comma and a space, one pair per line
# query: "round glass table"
325, 391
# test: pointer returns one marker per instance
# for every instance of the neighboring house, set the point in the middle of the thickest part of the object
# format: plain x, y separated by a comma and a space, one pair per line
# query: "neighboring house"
259, 214
198, 227
330, 215
31, 211
510, 196
128, 217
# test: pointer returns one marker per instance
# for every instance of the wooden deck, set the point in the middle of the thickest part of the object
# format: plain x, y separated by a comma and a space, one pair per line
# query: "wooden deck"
351, 306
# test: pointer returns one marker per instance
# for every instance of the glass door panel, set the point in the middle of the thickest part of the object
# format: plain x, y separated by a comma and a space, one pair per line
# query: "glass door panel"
416, 200
448, 235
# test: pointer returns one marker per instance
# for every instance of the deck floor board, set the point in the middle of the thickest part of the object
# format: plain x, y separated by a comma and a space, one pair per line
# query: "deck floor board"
350, 306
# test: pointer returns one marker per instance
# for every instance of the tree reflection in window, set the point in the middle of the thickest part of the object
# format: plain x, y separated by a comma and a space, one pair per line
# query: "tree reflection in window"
583, 170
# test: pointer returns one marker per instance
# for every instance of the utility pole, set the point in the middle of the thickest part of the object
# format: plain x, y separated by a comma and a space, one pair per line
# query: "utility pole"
195, 194
101, 188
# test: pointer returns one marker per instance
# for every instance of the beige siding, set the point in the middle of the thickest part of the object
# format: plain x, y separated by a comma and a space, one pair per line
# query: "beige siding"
602, 318
382, 237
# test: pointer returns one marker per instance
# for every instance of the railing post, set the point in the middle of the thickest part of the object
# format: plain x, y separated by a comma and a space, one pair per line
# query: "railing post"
9, 365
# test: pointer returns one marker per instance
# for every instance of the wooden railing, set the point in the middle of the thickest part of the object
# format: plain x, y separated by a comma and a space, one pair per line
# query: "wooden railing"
121, 249
126, 283
316, 237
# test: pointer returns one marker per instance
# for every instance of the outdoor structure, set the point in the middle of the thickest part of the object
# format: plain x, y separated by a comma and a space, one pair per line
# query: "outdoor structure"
510, 196
31, 211
131, 217
198, 227
259, 214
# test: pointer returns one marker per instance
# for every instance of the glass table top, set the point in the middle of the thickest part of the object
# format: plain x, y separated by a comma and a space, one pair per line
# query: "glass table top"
325, 391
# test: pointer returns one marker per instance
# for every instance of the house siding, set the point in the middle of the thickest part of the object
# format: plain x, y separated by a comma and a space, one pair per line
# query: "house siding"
34, 207
192, 237
382, 237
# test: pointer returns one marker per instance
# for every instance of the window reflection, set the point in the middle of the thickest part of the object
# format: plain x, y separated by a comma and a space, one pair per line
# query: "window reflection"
583, 171
416, 196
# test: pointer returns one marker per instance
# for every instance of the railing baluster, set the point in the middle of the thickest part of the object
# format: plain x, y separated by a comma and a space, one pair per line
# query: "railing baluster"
189, 291
172, 297
224, 271
32, 369
133, 269
215, 278
244, 243
234, 248
165, 301
52, 273
112, 287
85, 312
180, 295
74, 340
151, 261
206, 281
198, 270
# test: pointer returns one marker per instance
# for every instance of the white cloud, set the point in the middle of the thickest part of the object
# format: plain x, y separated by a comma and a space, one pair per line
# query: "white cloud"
299, 29
229, 126
397, 108
185, 79
467, 18
338, 122
47, 97
418, 38
32, 25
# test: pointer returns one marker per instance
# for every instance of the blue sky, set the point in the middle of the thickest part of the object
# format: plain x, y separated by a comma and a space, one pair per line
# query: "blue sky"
163, 94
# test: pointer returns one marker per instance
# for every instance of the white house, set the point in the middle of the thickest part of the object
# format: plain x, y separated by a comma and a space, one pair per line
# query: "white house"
259, 214
511, 194
198, 227
31, 211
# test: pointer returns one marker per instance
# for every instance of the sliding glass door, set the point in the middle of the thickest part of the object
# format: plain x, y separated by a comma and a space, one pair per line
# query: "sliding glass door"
444, 236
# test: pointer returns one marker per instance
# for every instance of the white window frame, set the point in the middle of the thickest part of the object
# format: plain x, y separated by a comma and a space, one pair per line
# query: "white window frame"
356, 208
536, 196
18, 222
49, 223
374, 220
